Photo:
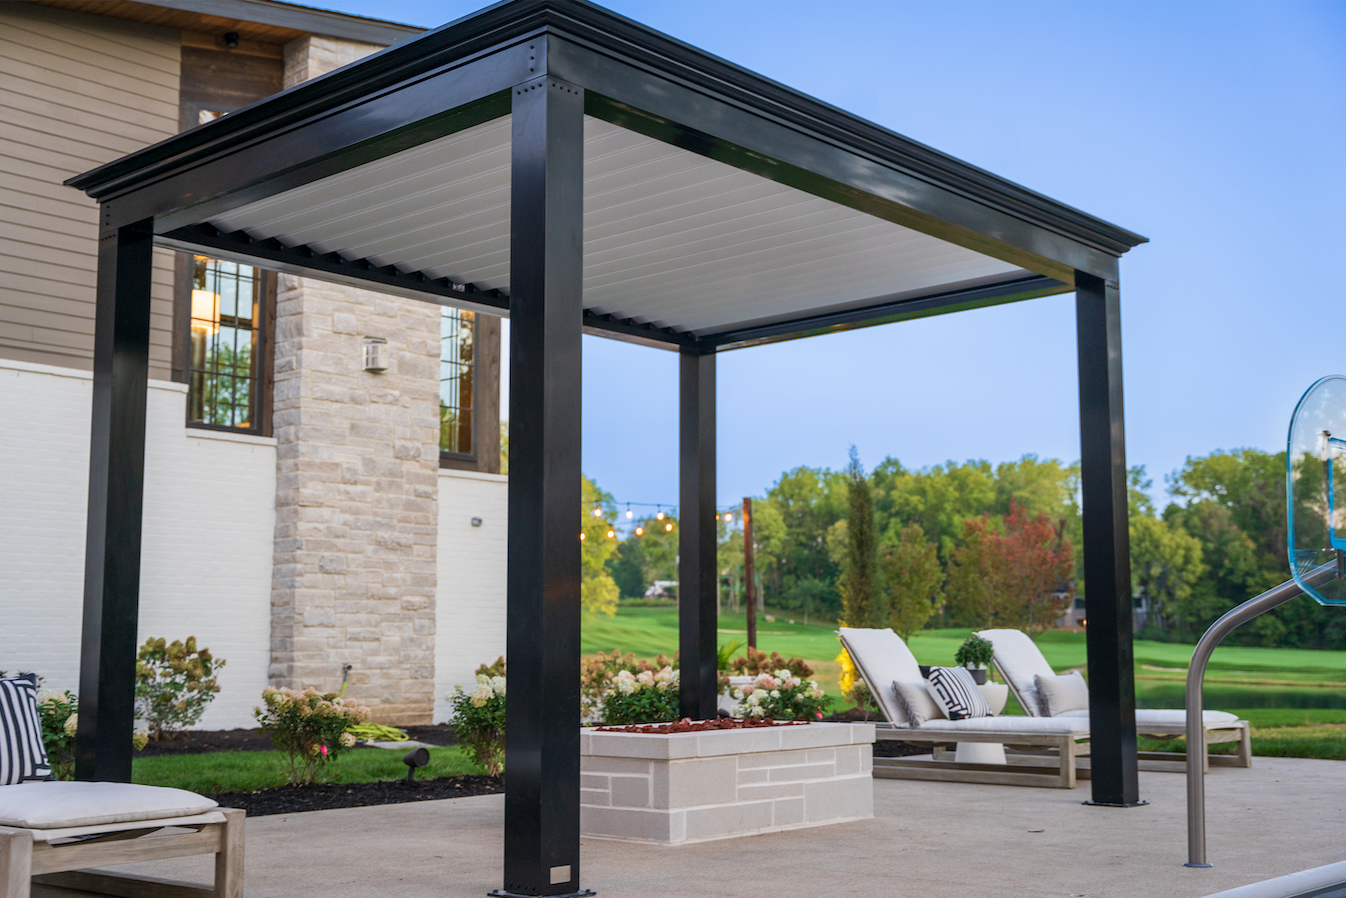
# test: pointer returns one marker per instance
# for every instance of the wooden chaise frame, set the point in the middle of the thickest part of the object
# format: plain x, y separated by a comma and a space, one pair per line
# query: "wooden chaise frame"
1173, 761
31, 865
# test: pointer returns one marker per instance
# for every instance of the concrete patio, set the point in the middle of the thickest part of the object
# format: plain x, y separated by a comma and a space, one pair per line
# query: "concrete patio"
926, 839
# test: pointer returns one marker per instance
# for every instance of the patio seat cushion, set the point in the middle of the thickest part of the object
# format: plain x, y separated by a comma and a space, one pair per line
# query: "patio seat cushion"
916, 701
1067, 692
1169, 717
1072, 725
1020, 660
883, 658
57, 805
22, 754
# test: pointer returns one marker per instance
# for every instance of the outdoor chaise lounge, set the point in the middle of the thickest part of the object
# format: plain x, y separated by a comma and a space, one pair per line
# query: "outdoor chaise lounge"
1021, 663
52, 832
882, 659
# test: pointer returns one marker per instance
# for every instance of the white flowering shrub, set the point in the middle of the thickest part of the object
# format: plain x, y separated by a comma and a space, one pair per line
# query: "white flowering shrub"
781, 696
644, 697
309, 728
58, 713
175, 681
479, 718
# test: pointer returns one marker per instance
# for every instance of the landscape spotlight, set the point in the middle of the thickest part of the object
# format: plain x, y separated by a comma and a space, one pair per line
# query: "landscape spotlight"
417, 757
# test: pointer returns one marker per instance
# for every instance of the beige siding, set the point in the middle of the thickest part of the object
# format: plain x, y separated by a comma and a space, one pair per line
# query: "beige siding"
76, 91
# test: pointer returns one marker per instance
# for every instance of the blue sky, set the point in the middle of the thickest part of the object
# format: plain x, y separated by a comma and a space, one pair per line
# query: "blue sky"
1214, 129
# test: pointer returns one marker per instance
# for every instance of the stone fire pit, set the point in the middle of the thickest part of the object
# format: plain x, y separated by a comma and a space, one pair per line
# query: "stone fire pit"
683, 787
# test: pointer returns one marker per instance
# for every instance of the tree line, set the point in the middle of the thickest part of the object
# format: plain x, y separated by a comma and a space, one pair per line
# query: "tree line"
974, 544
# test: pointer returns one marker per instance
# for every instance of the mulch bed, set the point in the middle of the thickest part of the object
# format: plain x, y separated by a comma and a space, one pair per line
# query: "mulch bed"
326, 796
196, 742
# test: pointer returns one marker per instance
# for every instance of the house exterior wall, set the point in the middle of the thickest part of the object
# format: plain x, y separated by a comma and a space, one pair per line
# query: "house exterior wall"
286, 556
208, 525
470, 600
76, 91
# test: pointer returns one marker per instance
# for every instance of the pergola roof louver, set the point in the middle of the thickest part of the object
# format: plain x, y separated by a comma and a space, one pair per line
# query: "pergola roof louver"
552, 161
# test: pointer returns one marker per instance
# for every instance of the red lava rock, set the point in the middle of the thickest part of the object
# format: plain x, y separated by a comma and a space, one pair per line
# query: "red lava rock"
686, 725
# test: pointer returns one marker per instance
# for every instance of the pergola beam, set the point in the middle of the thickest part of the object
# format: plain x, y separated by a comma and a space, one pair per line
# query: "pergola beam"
542, 737
1107, 554
698, 578
116, 502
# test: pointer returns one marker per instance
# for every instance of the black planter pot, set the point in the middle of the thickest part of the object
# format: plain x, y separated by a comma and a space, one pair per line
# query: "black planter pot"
978, 675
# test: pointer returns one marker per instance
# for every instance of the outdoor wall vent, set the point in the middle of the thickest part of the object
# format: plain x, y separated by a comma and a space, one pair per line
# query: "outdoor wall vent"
376, 354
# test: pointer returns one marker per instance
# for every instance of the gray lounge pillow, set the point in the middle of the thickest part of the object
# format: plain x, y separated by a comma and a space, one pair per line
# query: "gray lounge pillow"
1058, 695
916, 701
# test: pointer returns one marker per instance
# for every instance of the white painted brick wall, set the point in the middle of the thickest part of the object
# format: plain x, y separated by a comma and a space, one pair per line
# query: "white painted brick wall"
208, 529
470, 603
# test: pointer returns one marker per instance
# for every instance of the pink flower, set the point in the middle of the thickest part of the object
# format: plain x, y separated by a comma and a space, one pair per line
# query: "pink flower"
820, 714
324, 751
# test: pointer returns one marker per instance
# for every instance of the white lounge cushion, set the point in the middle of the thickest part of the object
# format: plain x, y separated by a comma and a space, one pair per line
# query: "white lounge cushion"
1020, 660
1058, 695
917, 703
1168, 717
56, 805
882, 658
1016, 724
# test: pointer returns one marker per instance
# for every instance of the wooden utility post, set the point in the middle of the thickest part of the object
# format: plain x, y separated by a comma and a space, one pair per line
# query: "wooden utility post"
750, 584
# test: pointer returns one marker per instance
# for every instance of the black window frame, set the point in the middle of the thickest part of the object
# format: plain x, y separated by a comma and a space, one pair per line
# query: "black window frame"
460, 457
263, 377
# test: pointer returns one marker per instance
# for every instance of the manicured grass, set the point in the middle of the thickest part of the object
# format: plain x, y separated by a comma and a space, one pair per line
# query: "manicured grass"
245, 771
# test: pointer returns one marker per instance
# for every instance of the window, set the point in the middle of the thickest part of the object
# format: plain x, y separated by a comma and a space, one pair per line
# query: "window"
224, 382
457, 367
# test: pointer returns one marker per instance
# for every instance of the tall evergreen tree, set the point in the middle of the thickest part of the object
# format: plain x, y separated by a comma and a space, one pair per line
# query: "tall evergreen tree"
862, 597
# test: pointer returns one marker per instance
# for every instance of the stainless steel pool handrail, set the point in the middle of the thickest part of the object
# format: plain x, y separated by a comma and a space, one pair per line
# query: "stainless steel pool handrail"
1196, 675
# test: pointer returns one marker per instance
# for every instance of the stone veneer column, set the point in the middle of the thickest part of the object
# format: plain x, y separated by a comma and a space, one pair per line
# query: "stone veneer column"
357, 481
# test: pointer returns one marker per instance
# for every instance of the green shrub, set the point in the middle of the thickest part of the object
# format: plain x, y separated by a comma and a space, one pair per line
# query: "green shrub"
58, 713
976, 652
308, 728
479, 718
174, 684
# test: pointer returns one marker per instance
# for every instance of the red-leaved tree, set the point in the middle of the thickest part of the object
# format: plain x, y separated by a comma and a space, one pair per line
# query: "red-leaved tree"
1018, 576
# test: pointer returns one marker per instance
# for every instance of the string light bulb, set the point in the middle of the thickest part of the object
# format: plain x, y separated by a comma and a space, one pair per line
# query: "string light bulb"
668, 527
729, 518
598, 512
660, 516
630, 514
611, 534
581, 534
640, 531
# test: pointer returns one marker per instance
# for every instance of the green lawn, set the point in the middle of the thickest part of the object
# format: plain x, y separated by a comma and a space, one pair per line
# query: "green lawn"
245, 771
1237, 677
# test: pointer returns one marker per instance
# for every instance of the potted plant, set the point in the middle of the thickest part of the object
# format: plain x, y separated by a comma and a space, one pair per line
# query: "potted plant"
975, 654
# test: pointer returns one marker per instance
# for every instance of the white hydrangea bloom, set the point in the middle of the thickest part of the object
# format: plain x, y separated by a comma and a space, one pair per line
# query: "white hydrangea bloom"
497, 685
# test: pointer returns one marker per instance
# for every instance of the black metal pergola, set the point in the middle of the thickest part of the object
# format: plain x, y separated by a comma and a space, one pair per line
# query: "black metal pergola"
576, 171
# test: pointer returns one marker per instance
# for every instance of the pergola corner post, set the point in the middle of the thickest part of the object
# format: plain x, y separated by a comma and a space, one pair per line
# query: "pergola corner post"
1107, 552
116, 502
697, 567
542, 742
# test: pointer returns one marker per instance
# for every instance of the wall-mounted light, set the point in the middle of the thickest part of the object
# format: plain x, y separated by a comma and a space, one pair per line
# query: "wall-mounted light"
476, 522
376, 355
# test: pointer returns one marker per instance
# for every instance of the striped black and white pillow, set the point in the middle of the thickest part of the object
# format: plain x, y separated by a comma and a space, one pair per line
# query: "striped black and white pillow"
956, 692
22, 756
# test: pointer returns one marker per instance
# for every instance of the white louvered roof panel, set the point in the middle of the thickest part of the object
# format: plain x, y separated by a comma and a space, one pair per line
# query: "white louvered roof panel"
670, 238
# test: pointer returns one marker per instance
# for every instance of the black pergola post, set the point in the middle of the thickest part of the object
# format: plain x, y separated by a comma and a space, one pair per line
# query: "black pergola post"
1107, 552
116, 501
697, 579
542, 742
